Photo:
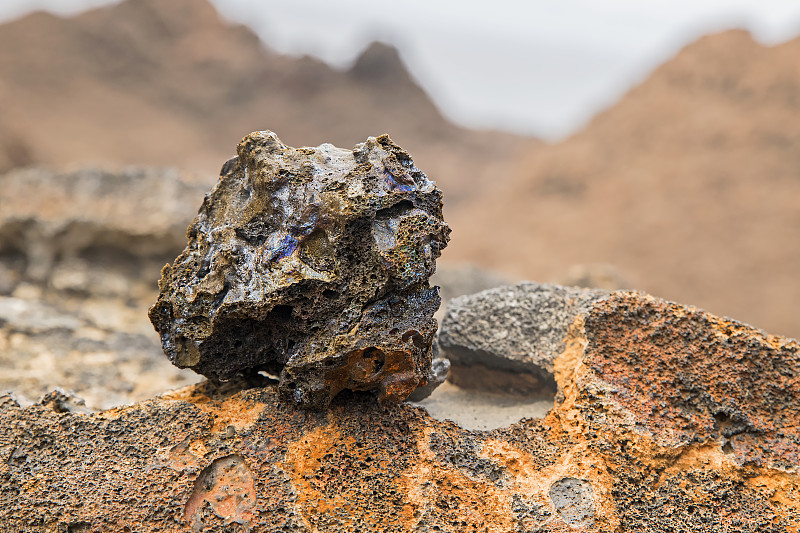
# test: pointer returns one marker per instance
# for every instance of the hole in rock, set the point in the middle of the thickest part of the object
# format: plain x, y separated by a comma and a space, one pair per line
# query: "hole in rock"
395, 210
225, 488
721, 418
415, 337
79, 527
281, 313
327, 293
574, 501
372, 361
727, 448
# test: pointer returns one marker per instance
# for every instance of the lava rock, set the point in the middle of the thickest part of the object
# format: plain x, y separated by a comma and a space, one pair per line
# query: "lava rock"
311, 264
517, 330
440, 368
62, 401
668, 419
90, 231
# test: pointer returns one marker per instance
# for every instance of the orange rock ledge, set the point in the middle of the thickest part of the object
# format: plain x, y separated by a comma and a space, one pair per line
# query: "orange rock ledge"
667, 419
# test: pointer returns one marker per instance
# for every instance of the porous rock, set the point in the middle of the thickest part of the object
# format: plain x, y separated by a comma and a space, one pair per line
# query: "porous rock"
79, 252
667, 419
508, 337
311, 264
440, 368
89, 230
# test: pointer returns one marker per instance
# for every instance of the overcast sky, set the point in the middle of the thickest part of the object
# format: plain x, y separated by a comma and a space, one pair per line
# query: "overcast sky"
536, 67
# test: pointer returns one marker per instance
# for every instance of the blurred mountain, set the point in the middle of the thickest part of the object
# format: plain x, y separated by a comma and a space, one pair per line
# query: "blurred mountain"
148, 82
690, 185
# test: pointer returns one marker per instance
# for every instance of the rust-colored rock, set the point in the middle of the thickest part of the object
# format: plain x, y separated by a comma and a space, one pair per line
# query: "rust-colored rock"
667, 419
312, 264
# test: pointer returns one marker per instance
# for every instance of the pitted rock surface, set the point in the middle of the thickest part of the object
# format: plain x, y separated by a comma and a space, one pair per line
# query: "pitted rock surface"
79, 252
311, 264
518, 330
573, 500
632, 445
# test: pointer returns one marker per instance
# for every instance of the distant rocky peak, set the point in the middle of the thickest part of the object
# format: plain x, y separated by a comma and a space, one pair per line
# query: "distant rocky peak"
380, 63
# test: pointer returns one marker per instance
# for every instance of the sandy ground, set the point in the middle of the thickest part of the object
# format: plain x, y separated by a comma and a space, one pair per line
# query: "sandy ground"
476, 410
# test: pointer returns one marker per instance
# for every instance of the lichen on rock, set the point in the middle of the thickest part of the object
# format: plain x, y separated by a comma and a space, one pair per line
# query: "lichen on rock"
311, 264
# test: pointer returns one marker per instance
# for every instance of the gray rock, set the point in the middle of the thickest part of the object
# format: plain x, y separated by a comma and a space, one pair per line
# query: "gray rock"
28, 316
574, 501
62, 401
312, 264
515, 329
91, 231
440, 368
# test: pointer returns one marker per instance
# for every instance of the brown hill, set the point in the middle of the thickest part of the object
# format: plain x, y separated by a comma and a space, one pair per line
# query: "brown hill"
169, 83
690, 185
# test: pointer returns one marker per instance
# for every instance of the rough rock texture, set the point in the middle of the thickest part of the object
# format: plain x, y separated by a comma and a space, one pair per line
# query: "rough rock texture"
91, 231
668, 419
440, 368
508, 337
80, 251
311, 263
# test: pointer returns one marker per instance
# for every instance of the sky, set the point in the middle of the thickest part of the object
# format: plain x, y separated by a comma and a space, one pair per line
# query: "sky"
536, 67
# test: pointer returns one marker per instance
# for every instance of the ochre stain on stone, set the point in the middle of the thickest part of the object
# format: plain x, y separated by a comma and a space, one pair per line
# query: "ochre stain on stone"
696, 458
782, 489
437, 493
225, 412
578, 462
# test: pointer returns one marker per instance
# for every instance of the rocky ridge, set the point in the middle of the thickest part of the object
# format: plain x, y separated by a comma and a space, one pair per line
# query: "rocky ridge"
688, 186
155, 83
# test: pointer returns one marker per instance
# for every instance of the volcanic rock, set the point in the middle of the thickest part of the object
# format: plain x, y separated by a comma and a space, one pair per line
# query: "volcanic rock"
667, 419
440, 368
310, 263
516, 330
79, 252
91, 231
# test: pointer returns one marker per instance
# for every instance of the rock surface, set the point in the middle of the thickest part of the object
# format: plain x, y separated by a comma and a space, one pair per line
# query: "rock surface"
507, 338
667, 419
91, 231
100, 351
310, 263
80, 251
440, 368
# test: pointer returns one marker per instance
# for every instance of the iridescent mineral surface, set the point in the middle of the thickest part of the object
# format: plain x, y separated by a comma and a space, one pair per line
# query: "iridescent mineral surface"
311, 264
